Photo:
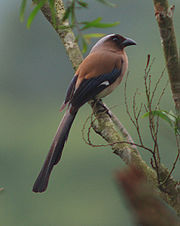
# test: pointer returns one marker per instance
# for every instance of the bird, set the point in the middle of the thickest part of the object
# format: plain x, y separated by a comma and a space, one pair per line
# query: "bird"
96, 77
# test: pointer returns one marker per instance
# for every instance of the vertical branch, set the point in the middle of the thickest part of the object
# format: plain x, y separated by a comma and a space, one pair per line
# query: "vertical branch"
164, 15
106, 126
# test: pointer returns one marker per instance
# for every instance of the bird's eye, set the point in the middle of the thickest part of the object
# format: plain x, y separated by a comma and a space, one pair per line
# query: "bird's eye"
115, 39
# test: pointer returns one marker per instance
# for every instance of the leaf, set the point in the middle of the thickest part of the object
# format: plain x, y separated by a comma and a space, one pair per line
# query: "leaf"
51, 2
34, 12
22, 10
83, 4
73, 17
88, 37
107, 3
65, 26
85, 44
170, 118
68, 11
97, 23
93, 21
53, 11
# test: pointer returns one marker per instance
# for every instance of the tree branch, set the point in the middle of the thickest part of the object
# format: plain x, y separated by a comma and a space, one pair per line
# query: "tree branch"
66, 35
121, 128
106, 129
105, 119
164, 17
148, 208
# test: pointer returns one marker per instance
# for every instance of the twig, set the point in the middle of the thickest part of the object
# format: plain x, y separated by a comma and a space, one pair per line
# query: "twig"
105, 125
135, 121
175, 162
156, 86
125, 100
123, 130
136, 116
172, 169
90, 127
88, 141
161, 95
152, 127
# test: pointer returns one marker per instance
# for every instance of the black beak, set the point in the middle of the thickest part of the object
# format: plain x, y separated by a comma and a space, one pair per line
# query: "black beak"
128, 42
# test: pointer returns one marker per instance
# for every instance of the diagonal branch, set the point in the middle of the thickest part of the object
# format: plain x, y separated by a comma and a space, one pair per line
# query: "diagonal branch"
105, 119
66, 35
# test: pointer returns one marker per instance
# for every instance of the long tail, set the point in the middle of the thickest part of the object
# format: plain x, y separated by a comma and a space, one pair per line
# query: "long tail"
55, 152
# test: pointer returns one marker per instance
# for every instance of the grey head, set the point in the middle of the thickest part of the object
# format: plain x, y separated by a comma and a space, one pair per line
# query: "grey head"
113, 41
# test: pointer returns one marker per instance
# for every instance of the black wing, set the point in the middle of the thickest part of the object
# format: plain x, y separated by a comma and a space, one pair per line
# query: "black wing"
89, 88
69, 93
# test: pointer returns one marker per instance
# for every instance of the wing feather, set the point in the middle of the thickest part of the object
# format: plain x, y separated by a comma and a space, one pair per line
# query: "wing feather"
90, 88
69, 93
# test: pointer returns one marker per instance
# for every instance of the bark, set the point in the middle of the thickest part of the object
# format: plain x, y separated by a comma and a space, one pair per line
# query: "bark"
106, 120
164, 17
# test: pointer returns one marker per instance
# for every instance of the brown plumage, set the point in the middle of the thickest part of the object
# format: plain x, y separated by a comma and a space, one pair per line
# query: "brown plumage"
97, 76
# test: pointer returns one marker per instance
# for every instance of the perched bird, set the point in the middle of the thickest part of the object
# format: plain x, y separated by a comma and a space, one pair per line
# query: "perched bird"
97, 76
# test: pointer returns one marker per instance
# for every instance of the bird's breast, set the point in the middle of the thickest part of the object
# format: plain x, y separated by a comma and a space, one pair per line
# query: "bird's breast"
123, 67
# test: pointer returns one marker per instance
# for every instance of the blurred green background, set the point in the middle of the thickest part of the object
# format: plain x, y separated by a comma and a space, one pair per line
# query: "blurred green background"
34, 75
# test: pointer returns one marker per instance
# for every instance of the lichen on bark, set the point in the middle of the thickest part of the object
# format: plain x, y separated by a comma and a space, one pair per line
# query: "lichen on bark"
106, 127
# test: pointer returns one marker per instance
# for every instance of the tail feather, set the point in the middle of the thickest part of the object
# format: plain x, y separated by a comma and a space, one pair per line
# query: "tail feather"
55, 152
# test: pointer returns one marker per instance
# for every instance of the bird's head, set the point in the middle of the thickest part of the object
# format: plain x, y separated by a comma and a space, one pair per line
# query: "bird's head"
114, 42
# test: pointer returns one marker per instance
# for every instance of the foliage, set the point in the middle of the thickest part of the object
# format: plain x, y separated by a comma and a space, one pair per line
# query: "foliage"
169, 117
34, 12
153, 113
70, 15
22, 9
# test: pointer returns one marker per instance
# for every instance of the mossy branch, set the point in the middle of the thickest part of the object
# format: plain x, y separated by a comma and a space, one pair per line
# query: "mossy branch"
106, 122
66, 35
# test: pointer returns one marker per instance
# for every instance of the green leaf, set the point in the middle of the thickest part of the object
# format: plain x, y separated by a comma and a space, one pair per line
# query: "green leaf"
53, 11
34, 12
68, 12
107, 3
170, 118
92, 22
66, 27
51, 2
177, 129
73, 17
97, 23
85, 44
22, 10
83, 4
172, 115
88, 37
